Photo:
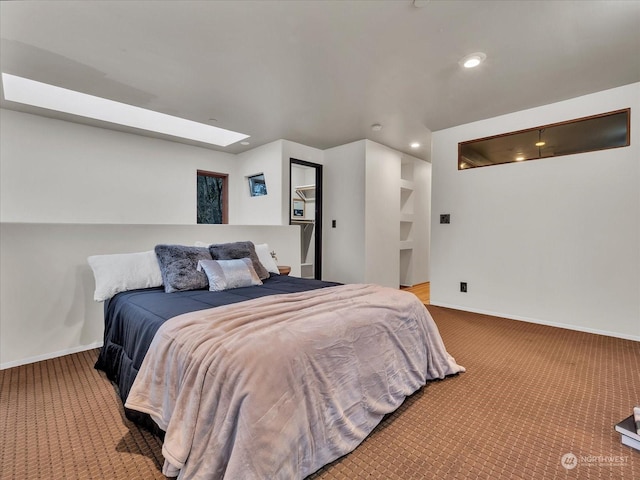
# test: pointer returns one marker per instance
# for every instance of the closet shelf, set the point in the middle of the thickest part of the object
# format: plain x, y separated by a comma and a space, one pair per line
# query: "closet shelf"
306, 192
406, 244
407, 185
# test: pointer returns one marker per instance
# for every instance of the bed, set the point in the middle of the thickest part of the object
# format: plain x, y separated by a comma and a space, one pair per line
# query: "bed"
132, 318
267, 381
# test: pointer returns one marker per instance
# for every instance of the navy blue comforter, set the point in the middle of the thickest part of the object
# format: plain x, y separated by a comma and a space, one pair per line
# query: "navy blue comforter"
132, 319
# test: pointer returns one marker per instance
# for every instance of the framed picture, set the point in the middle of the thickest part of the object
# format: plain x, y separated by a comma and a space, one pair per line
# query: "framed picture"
257, 185
298, 207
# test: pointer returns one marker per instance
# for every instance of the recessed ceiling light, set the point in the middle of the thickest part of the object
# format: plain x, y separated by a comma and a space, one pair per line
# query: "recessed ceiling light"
376, 127
415, 145
43, 95
245, 143
473, 60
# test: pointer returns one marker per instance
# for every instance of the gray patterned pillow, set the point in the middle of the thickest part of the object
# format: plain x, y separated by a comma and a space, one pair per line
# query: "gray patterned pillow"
178, 265
236, 251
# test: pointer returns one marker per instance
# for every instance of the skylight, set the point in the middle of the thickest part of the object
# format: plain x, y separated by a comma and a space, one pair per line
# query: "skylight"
38, 94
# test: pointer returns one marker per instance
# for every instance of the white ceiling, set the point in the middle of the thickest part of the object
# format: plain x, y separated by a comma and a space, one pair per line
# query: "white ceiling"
322, 72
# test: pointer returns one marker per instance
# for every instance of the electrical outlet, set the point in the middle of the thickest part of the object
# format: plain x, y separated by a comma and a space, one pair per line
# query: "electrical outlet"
445, 218
333, 224
463, 287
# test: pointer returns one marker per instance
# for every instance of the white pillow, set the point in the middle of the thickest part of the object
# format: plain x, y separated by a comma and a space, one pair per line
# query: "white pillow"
226, 274
124, 271
266, 259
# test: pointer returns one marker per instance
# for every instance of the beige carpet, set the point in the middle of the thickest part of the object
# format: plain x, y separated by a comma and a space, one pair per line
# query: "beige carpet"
531, 394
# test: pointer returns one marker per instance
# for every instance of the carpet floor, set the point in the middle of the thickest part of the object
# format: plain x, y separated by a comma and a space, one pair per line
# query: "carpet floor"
531, 395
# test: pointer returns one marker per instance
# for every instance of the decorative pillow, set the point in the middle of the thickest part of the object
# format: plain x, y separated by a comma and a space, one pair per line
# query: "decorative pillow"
237, 250
178, 264
226, 274
124, 271
267, 261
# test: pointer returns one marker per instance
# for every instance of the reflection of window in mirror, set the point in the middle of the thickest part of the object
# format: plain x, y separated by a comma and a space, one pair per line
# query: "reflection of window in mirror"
298, 208
212, 206
587, 134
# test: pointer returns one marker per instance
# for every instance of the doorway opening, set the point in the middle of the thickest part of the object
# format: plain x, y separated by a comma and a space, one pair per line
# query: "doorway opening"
305, 210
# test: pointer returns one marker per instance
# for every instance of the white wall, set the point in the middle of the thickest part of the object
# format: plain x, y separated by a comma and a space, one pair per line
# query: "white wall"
362, 193
553, 241
265, 209
344, 197
59, 177
273, 160
382, 215
54, 171
46, 294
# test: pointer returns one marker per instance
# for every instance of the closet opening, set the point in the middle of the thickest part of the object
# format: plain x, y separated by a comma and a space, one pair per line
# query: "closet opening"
305, 210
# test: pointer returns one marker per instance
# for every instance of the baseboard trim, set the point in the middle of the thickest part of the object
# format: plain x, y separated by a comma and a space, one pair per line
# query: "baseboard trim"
540, 322
48, 356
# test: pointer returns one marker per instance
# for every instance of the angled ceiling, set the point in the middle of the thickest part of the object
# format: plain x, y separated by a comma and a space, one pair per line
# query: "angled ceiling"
322, 72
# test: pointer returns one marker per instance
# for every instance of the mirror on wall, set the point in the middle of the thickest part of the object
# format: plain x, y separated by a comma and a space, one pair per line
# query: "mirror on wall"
305, 183
587, 134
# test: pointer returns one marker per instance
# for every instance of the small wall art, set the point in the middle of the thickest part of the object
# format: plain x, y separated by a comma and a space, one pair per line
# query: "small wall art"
257, 185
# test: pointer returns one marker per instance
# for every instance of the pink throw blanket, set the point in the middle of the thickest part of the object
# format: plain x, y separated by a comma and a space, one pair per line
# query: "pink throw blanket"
277, 387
